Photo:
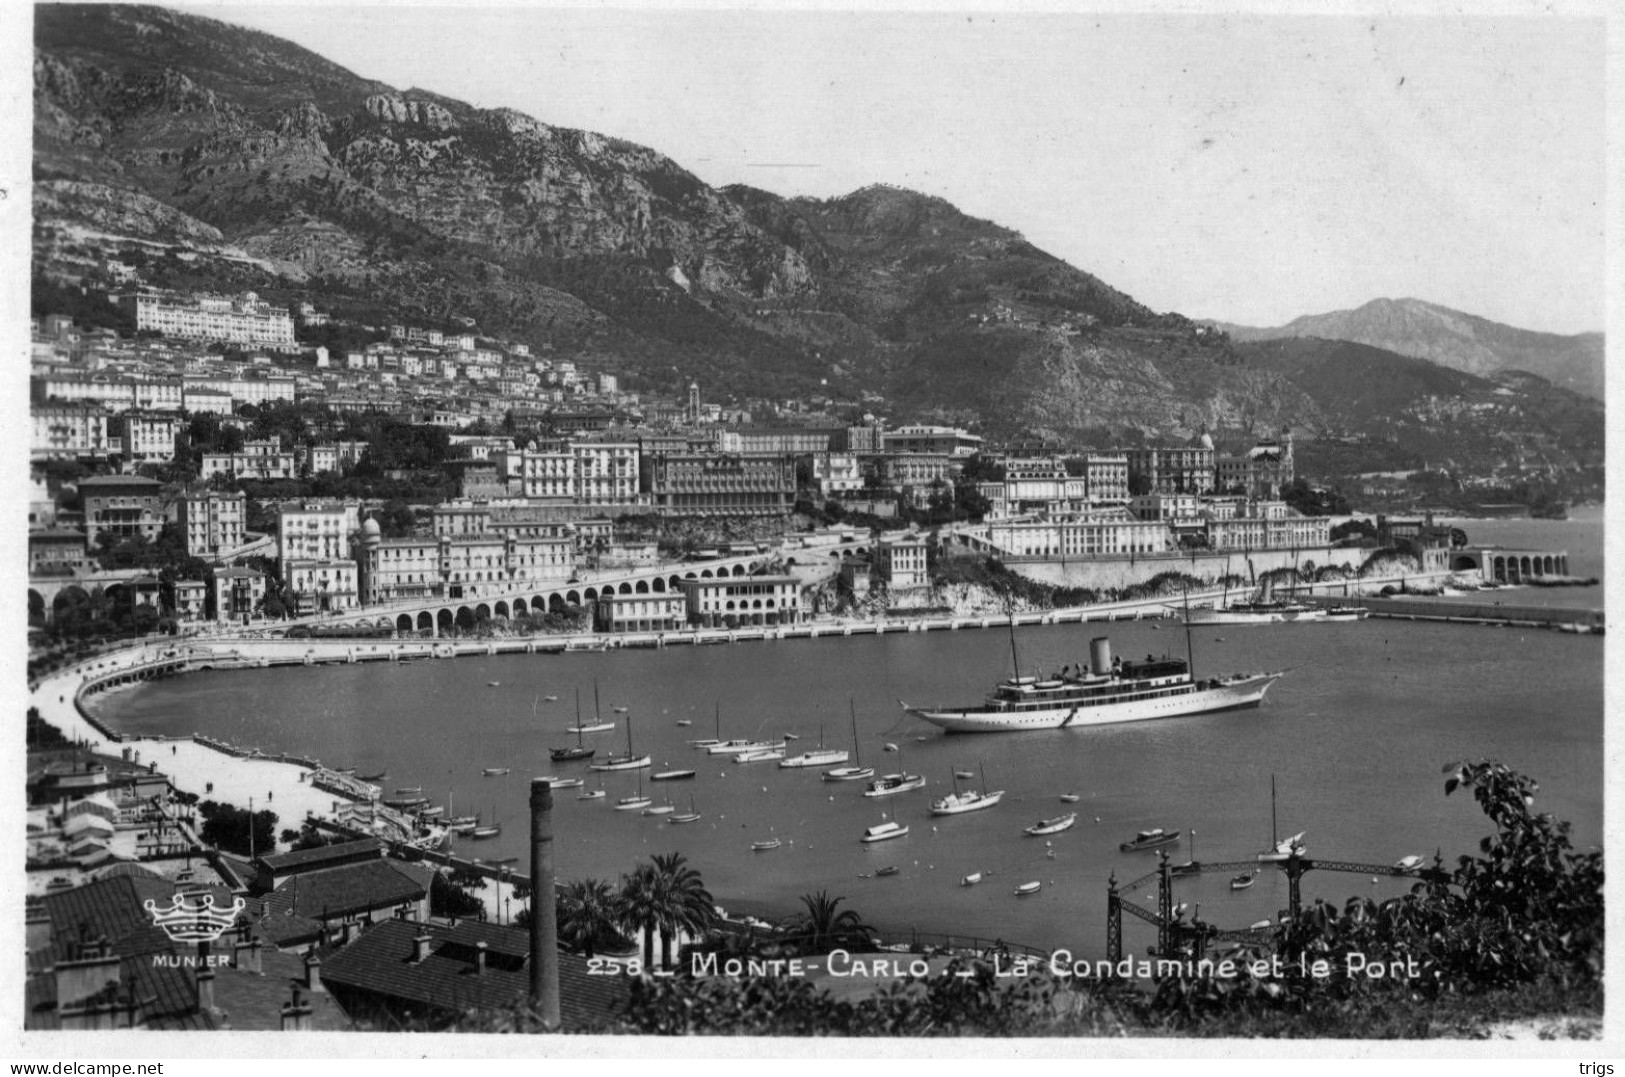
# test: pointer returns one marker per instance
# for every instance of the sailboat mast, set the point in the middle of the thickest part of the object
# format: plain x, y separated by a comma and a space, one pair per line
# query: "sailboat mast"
1275, 840
1190, 653
857, 757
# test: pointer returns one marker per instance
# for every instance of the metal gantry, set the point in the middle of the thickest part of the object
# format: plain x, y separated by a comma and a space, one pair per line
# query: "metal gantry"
1176, 936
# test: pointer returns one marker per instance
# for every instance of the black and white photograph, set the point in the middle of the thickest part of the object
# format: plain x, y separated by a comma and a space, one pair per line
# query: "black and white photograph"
963, 529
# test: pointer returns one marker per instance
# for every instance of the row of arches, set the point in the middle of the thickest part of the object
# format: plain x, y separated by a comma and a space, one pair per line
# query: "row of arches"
1511, 568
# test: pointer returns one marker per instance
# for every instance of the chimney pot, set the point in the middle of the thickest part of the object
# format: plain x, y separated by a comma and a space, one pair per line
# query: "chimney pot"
313, 974
420, 948
205, 989
479, 958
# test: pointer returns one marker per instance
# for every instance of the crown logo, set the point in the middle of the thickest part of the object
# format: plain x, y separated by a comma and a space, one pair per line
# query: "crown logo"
194, 920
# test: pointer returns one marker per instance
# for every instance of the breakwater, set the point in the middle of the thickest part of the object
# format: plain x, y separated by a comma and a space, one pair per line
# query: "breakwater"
1481, 613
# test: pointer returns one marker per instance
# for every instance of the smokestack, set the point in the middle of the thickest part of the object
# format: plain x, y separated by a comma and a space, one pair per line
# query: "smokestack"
544, 928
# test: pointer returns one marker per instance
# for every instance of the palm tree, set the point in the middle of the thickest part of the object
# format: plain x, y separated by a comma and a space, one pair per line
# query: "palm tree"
688, 906
641, 906
587, 915
823, 928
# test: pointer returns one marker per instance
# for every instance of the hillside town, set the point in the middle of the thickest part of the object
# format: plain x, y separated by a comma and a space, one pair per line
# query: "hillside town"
154, 486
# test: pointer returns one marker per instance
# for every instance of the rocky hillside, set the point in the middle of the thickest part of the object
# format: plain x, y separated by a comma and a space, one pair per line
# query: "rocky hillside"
1450, 338
286, 173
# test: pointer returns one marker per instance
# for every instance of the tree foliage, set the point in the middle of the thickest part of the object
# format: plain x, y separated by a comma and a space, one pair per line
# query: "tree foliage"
227, 827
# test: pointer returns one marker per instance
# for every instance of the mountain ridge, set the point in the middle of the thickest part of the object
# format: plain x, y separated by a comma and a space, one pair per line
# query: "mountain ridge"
1451, 338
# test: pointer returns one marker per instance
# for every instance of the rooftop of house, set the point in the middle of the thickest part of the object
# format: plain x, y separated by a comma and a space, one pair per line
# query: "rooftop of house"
381, 965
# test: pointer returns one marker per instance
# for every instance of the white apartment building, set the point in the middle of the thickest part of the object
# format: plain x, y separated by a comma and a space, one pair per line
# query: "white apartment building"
238, 320
606, 472
1079, 538
321, 586
148, 438
315, 532
211, 522
67, 430
901, 561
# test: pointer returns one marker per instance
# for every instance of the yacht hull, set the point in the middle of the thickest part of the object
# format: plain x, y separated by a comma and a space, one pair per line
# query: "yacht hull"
1221, 695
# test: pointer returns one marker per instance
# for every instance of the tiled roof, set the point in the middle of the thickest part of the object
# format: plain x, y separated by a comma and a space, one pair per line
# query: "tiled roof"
112, 908
379, 965
338, 892
252, 1001
341, 853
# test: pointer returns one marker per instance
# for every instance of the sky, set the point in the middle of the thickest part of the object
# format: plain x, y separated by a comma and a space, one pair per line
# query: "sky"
1250, 168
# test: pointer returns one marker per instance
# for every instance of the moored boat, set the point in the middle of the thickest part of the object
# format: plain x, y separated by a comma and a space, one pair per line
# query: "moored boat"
1409, 863
759, 755
889, 869
884, 832
1028, 888
857, 771
591, 794
659, 809
892, 784
495, 772
823, 757
671, 775
1241, 882
1055, 825
1347, 613
1109, 692
482, 832
627, 761
1149, 839
579, 749
763, 846
971, 880
1069, 798
959, 802
686, 817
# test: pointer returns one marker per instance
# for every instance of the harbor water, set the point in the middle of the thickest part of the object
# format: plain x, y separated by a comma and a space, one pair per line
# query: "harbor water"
1355, 735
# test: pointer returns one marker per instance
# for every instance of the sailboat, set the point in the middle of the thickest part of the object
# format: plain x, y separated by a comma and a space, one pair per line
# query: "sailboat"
686, 817
580, 749
631, 803
593, 794
488, 830
1280, 848
970, 800
598, 725
707, 742
857, 771
627, 761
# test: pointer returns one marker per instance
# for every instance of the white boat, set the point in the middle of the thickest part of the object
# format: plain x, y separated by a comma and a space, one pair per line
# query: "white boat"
1055, 825
633, 803
551, 699
671, 775
892, 784
1284, 849
1028, 888
1069, 798
480, 833
493, 684
495, 772
686, 817
684, 722
1254, 613
627, 761
744, 747
1155, 838
1112, 691
619, 710
884, 832
591, 794
958, 802
763, 846
857, 771
564, 783
969, 800
1241, 882
591, 727
972, 879
823, 757
659, 809
760, 755
1409, 863
1347, 613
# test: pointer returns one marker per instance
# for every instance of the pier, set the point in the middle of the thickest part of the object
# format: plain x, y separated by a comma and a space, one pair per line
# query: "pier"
1587, 621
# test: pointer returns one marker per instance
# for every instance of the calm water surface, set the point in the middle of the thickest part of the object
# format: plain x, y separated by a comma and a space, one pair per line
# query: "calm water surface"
1356, 735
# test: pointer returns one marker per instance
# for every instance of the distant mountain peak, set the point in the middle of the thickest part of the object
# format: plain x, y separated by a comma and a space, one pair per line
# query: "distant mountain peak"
1451, 338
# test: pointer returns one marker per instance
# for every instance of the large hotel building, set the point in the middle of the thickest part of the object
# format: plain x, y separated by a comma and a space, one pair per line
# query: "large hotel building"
242, 319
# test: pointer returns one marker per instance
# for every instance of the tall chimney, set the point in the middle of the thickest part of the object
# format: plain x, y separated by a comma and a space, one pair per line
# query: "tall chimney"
205, 989
479, 957
544, 927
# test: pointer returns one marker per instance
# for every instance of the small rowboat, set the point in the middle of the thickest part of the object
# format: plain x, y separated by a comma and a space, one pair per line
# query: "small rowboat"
763, 846
431, 813
972, 879
1409, 863
590, 727
659, 809
1028, 888
619, 710
684, 722
591, 794
406, 792
632, 803
551, 699
964, 775
671, 775
380, 776
493, 684
495, 772
1069, 798
1241, 882
890, 869
487, 831
563, 783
